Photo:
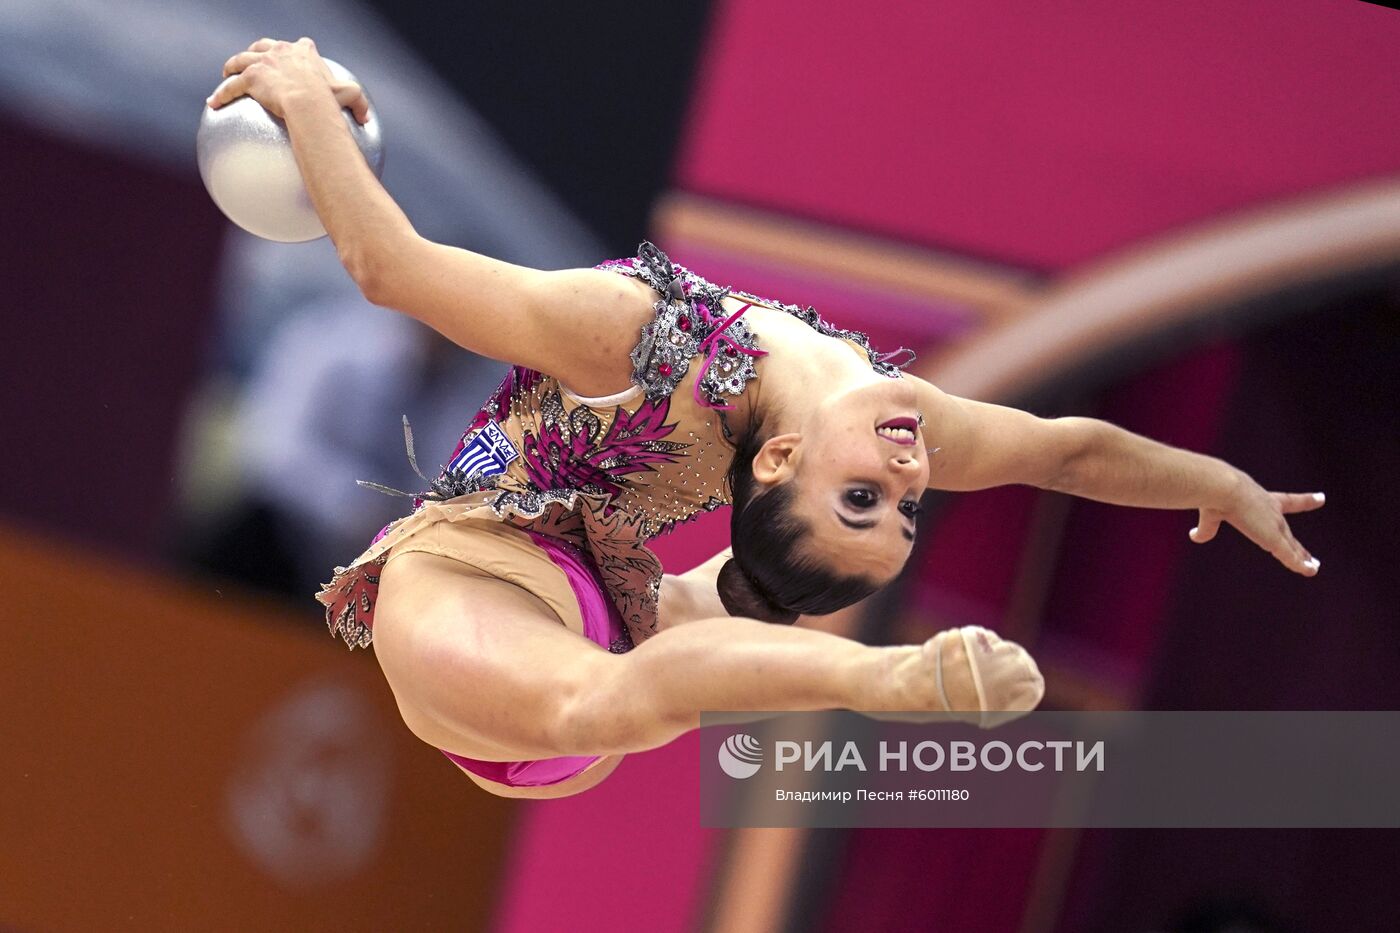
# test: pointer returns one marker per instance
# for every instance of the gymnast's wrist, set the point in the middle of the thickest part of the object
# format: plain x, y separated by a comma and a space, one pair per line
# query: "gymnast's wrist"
302, 102
1229, 487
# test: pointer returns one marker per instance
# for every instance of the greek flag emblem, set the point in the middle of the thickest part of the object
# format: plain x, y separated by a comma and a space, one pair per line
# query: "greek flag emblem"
488, 452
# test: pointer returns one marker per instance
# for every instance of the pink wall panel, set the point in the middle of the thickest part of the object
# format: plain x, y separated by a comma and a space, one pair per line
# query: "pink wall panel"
627, 855
1044, 134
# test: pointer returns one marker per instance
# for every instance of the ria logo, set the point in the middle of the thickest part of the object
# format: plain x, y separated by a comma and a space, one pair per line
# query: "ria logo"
740, 755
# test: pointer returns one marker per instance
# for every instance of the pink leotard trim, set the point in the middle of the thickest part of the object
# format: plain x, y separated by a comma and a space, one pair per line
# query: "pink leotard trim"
719, 340
602, 623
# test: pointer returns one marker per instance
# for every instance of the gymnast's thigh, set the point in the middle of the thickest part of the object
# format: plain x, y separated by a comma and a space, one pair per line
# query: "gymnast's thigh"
479, 666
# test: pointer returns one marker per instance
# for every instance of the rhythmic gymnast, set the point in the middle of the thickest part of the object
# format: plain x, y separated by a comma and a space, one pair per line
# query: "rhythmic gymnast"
520, 621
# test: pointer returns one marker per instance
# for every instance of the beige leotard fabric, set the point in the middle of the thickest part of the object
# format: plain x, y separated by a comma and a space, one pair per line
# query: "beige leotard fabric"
492, 548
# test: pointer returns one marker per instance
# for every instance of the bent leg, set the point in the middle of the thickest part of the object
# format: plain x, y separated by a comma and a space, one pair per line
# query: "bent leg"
479, 667
660, 688
657, 691
483, 668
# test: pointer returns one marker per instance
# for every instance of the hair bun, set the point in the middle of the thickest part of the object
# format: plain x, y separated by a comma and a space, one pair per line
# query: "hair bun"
741, 597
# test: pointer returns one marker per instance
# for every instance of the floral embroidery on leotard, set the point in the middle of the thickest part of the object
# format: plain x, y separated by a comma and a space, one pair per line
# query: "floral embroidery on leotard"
573, 451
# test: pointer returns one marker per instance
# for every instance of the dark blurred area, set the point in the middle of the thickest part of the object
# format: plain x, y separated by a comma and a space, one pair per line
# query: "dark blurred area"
1224, 915
591, 96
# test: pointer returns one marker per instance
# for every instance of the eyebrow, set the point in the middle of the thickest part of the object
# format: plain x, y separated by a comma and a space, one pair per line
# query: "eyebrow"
869, 523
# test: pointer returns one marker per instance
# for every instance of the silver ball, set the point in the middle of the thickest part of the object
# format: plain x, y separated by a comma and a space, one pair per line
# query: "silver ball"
246, 160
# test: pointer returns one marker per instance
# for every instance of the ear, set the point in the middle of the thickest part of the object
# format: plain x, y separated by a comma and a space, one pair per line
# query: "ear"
776, 459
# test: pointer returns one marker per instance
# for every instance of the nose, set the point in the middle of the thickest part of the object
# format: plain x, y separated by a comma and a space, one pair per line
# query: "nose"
903, 464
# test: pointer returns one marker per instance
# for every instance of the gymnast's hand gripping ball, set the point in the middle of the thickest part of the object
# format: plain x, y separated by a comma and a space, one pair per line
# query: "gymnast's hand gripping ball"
246, 161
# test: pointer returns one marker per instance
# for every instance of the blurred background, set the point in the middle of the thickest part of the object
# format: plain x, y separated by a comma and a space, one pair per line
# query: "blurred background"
1182, 218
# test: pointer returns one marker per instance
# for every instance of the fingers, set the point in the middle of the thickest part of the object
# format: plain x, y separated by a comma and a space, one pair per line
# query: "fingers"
1296, 558
262, 46
1290, 502
1303, 561
241, 61
351, 95
231, 89
1206, 528
1290, 553
1299, 559
1274, 536
247, 73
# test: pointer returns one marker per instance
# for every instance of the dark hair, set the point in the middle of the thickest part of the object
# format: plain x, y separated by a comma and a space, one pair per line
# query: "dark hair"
767, 578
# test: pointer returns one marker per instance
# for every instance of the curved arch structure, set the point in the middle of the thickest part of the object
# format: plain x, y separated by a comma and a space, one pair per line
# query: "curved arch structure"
1199, 279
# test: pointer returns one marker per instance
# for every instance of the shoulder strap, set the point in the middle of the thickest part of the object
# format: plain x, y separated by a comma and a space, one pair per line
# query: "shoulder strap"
688, 323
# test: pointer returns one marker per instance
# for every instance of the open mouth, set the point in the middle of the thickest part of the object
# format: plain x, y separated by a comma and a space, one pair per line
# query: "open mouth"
899, 430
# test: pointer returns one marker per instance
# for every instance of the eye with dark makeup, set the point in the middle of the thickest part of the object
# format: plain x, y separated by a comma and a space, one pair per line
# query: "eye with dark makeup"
862, 498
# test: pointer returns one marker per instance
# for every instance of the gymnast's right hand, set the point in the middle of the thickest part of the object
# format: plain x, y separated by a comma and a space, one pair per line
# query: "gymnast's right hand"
969, 673
273, 72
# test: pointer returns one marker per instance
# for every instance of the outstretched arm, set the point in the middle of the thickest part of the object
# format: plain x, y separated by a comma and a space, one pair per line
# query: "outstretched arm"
980, 445
576, 324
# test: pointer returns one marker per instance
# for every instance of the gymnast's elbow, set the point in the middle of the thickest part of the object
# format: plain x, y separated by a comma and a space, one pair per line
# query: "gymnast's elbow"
369, 277
1069, 443
372, 263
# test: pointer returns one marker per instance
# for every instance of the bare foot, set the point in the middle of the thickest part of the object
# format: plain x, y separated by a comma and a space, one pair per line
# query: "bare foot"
986, 680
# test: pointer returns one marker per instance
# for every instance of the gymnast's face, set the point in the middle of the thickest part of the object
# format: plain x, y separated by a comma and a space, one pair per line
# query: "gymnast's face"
860, 466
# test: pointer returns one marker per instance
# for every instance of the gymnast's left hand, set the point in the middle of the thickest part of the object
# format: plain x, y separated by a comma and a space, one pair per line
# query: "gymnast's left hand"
1259, 515
274, 72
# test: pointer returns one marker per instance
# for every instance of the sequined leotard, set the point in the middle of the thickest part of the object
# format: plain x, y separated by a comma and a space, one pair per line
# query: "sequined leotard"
604, 475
